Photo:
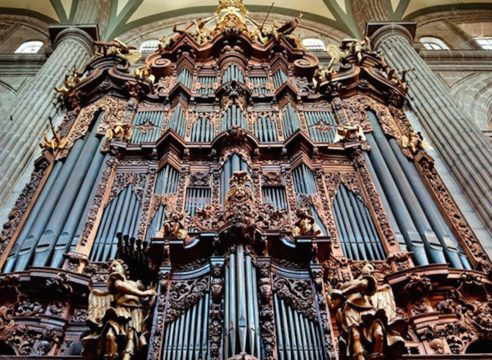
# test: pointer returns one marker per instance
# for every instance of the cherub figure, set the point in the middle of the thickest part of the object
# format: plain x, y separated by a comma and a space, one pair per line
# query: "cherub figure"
349, 133
71, 80
174, 227
144, 73
414, 142
366, 314
118, 317
56, 143
306, 224
117, 47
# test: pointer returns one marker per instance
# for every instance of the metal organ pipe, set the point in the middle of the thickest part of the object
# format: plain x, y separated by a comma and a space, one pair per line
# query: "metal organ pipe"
29, 243
120, 216
412, 237
386, 206
354, 222
354, 225
81, 204
433, 245
241, 308
60, 214
32, 216
298, 338
444, 233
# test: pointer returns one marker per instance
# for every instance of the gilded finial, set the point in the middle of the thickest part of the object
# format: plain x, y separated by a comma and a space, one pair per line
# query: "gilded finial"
237, 4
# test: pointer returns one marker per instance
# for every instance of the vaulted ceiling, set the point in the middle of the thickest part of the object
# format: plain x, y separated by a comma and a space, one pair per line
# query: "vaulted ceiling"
127, 14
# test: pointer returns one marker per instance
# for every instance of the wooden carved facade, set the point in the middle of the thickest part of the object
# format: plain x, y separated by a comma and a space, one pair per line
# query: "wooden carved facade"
201, 170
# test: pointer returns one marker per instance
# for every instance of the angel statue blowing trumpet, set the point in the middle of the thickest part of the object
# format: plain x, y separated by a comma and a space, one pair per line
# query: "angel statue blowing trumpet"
118, 317
366, 315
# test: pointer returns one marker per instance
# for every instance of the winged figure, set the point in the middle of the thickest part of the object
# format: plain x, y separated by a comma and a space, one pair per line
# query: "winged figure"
366, 314
118, 317
336, 55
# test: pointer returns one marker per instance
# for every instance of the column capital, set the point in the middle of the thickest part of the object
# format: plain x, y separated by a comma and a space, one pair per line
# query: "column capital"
85, 34
379, 31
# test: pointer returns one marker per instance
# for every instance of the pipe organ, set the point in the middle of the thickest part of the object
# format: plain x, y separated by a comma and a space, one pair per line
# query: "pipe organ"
245, 212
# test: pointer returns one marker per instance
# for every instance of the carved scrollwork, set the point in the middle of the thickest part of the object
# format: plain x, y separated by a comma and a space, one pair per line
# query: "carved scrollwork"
199, 179
453, 213
185, 294
266, 309
22, 203
122, 179
272, 178
7, 325
357, 106
113, 114
33, 342
216, 311
296, 293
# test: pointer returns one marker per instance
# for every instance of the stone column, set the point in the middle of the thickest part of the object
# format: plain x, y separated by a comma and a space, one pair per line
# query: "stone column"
465, 150
29, 114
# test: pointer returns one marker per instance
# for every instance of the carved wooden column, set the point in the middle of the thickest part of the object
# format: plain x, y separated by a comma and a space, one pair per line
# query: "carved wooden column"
29, 114
467, 153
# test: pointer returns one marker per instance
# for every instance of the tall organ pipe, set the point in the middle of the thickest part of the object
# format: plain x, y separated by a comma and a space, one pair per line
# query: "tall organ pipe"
443, 232
358, 235
427, 233
78, 209
38, 206
386, 206
29, 243
62, 210
241, 309
397, 204
298, 337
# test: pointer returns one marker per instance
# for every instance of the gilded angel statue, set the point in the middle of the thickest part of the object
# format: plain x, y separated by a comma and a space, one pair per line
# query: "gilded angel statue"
306, 224
367, 317
174, 226
118, 317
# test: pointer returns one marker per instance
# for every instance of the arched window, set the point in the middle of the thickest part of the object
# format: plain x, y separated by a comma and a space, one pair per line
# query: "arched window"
433, 43
149, 46
485, 43
29, 47
313, 44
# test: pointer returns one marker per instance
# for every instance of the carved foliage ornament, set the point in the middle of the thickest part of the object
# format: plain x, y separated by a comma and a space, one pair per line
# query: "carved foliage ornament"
296, 293
22, 204
216, 311
183, 295
114, 110
461, 227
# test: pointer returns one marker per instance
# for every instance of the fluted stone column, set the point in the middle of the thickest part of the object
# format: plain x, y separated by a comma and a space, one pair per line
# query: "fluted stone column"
21, 136
465, 150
